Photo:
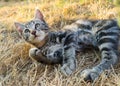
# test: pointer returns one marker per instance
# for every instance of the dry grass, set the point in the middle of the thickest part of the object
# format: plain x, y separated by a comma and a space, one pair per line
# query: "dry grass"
17, 69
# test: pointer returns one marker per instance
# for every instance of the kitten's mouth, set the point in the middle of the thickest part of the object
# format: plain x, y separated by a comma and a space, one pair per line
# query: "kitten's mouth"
35, 36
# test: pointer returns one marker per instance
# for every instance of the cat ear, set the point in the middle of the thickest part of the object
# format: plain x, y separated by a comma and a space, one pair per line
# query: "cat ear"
19, 26
38, 15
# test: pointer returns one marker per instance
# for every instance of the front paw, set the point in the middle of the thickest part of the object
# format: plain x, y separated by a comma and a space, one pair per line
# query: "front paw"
68, 69
32, 52
89, 75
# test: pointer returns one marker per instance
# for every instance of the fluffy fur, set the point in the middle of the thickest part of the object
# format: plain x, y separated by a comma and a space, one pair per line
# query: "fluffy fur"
60, 47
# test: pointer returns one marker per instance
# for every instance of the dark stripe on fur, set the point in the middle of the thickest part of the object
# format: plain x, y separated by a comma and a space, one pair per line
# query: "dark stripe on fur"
106, 34
104, 40
70, 38
105, 49
82, 26
104, 25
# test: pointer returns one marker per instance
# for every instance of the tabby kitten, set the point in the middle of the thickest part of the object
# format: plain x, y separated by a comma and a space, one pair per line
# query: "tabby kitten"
36, 32
60, 47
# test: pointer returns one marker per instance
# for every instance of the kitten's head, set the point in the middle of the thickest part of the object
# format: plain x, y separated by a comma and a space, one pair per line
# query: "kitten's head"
35, 30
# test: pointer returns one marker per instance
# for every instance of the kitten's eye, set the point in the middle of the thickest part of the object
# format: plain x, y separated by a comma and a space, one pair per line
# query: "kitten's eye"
37, 25
26, 30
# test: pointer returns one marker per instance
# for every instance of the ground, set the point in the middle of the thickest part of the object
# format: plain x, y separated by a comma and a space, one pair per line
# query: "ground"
17, 69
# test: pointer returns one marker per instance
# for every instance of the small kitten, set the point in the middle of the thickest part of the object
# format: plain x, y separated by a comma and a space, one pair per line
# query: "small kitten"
37, 33
34, 31
61, 47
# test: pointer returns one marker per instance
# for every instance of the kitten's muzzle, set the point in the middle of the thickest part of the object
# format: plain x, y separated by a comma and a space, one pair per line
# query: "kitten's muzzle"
33, 32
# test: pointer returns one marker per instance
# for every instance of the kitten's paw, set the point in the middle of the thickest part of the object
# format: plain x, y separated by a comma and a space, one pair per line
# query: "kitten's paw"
68, 69
89, 75
33, 51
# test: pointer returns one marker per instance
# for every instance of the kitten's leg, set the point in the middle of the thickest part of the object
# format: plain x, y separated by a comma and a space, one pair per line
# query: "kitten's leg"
109, 59
108, 46
38, 56
69, 59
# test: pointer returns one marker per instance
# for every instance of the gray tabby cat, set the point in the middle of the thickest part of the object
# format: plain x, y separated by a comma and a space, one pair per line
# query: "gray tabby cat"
36, 32
61, 47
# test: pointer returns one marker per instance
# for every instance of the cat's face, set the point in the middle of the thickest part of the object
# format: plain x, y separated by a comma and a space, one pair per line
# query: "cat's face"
35, 30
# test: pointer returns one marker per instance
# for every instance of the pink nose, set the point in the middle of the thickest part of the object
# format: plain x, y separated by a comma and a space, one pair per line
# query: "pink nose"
33, 32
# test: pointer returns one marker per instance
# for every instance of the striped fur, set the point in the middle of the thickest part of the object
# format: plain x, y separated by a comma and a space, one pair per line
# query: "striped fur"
104, 34
61, 46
